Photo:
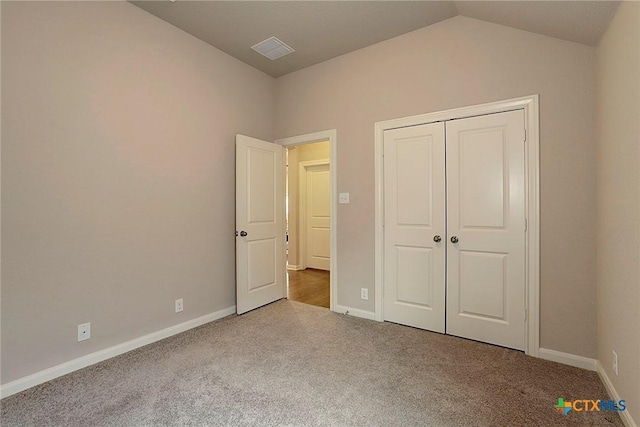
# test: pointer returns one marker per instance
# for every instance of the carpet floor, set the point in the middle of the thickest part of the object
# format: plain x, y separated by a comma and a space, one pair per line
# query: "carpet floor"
292, 364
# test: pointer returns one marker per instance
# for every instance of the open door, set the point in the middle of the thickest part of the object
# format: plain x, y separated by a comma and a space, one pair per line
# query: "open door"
260, 272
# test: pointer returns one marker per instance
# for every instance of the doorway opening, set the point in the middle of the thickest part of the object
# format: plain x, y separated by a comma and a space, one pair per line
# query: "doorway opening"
308, 223
310, 218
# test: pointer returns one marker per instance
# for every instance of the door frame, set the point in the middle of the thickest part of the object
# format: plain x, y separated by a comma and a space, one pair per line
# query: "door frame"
530, 106
309, 138
302, 209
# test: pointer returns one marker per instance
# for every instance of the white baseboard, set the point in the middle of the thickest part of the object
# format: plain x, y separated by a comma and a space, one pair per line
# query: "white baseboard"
625, 415
568, 359
32, 380
294, 267
355, 312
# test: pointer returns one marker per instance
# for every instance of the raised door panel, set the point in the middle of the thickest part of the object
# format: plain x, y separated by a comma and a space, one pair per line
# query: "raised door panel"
482, 179
261, 257
487, 301
414, 276
261, 186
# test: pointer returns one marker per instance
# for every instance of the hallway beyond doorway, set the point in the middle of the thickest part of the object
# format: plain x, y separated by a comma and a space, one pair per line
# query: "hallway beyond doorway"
310, 286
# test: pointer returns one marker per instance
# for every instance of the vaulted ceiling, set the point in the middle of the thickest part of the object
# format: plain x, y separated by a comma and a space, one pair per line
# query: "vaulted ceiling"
321, 30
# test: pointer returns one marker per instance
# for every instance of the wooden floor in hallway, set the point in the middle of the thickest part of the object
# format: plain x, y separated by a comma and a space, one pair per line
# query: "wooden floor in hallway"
309, 286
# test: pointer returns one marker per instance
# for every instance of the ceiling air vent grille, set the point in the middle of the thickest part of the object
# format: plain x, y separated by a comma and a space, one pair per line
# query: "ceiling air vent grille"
272, 48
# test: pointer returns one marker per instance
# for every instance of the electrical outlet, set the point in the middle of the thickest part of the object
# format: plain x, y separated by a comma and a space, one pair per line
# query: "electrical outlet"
84, 331
614, 362
364, 293
343, 198
179, 305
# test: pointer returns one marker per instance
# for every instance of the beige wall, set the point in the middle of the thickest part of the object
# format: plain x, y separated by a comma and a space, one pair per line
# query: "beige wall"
117, 176
456, 63
618, 278
297, 154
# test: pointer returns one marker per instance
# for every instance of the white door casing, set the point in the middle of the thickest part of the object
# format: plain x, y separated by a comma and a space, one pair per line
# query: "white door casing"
316, 214
486, 228
414, 239
260, 249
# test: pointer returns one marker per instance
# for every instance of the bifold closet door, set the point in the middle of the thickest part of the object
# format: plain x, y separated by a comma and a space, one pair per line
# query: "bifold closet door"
414, 226
486, 228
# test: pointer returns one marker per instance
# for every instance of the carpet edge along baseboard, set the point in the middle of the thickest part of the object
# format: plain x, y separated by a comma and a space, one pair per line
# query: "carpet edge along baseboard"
49, 374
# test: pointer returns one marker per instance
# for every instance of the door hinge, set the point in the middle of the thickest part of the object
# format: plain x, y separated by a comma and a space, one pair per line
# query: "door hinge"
525, 135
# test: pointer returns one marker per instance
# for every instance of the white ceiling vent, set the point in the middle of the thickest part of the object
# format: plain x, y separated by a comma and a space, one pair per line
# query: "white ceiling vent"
272, 48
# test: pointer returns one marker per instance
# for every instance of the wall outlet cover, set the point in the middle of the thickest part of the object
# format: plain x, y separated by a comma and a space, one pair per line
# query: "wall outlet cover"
84, 331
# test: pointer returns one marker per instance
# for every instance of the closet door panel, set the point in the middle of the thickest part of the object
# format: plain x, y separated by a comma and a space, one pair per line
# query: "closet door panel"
414, 269
486, 228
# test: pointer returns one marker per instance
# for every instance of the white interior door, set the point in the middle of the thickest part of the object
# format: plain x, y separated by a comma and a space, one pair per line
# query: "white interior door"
260, 273
414, 226
318, 216
486, 228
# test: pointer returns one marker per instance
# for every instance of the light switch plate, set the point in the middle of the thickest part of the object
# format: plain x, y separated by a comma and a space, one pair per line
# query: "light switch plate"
343, 198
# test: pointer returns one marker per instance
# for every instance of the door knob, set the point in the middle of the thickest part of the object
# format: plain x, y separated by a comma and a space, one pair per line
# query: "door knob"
437, 238
243, 233
454, 239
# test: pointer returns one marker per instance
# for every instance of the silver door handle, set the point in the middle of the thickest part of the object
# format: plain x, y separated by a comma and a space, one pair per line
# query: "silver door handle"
243, 233
437, 238
454, 239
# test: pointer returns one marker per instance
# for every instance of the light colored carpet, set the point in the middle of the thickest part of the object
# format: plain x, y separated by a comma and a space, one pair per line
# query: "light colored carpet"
292, 364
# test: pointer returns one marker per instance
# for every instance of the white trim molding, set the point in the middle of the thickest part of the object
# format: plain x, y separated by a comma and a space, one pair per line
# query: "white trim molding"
331, 136
529, 104
625, 415
49, 374
355, 312
567, 359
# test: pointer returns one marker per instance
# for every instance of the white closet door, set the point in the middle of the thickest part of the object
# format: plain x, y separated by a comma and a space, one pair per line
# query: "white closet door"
486, 214
414, 184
